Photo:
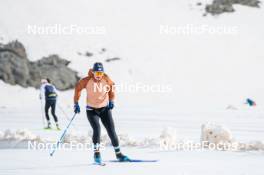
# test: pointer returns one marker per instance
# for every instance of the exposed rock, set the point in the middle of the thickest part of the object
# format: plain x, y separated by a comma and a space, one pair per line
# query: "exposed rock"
16, 69
16, 47
226, 6
112, 59
88, 54
103, 50
13, 69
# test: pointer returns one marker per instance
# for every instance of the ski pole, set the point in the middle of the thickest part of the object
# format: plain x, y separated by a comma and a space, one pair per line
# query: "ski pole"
64, 113
42, 113
66, 116
62, 136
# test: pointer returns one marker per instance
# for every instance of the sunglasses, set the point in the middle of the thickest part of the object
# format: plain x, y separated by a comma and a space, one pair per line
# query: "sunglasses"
98, 73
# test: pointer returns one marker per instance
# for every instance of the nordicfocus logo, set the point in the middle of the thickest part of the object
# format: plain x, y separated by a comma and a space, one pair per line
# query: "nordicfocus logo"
34, 145
59, 29
203, 29
190, 145
133, 88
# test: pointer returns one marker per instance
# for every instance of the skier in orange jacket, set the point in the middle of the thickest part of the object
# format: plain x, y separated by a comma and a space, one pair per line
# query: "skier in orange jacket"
99, 103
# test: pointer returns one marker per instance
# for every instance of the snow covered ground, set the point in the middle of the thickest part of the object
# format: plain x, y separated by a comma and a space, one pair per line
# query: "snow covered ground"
207, 73
138, 124
179, 163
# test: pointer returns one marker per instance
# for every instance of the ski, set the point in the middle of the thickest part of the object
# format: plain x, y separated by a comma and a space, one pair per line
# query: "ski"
51, 129
100, 164
133, 161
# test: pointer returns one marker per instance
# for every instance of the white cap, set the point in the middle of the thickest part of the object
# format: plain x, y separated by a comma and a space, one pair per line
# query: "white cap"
44, 81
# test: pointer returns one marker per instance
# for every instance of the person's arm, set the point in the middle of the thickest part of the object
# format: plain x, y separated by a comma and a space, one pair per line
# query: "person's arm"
111, 93
42, 92
55, 90
78, 88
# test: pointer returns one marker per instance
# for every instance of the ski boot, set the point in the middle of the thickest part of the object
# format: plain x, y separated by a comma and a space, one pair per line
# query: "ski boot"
97, 158
49, 126
122, 158
57, 126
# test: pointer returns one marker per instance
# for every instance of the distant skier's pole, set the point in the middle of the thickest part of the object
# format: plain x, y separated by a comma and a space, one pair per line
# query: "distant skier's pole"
42, 113
62, 136
64, 112
66, 116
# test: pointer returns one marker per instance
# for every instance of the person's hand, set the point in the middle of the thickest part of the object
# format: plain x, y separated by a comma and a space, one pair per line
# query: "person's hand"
77, 108
111, 105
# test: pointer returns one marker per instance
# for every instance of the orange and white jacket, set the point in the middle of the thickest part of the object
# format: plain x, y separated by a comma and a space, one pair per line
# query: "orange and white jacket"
99, 93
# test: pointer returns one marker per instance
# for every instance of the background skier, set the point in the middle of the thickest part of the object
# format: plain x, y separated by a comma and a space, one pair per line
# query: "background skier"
49, 92
250, 102
99, 104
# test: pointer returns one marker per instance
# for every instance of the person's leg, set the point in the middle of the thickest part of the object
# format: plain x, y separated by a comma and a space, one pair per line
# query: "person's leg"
47, 106
53, 112
94, 122
108, 122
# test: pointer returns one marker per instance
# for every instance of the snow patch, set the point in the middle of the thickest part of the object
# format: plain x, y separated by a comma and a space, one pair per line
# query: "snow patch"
251, 146
222, 136
168, 136
124, 139
216, 134
17, 139
21, 137
211, 133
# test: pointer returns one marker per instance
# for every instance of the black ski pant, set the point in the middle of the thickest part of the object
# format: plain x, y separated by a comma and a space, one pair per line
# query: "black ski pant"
51, 104
106, 118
